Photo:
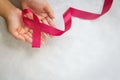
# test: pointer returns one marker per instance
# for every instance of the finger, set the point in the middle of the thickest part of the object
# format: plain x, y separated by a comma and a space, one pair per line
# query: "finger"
42, 40
45, 22
49, 11
26, 29
21, 31
44, 36
27, 38
31, 31
40, 17
18, 36
29, 34
50, 21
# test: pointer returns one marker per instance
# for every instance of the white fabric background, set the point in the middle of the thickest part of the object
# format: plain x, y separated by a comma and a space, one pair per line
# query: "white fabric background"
89, 51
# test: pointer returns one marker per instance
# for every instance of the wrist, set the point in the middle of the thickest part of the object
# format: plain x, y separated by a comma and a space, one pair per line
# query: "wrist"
6, 8
8, 11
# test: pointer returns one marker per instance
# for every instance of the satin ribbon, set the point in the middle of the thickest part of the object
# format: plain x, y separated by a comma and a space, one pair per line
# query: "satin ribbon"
39, 27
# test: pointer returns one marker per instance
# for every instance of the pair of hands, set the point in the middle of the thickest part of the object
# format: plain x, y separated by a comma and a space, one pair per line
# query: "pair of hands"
20, 31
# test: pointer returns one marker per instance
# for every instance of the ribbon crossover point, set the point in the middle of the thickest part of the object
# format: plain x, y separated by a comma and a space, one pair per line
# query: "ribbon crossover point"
39, 27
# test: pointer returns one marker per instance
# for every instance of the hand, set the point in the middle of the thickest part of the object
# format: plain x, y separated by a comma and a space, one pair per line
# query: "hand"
39, 7
16, 26
14, 21
42, 9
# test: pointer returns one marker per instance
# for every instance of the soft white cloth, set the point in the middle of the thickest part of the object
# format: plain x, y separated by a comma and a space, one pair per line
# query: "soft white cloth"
89, 51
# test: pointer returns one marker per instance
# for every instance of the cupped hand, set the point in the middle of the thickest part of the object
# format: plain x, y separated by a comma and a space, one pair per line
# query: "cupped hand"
16, 26
43, 11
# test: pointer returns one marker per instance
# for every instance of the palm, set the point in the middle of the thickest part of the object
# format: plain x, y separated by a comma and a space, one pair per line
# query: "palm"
17, 28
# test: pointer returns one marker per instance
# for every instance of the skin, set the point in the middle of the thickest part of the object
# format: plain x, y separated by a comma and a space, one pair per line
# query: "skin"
15, 25
39, 7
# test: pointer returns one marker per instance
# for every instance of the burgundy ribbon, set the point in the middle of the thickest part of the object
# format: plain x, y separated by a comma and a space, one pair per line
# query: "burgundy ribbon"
39, 27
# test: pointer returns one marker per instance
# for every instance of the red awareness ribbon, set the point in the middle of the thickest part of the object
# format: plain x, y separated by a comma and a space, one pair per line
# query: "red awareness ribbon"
39, 27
